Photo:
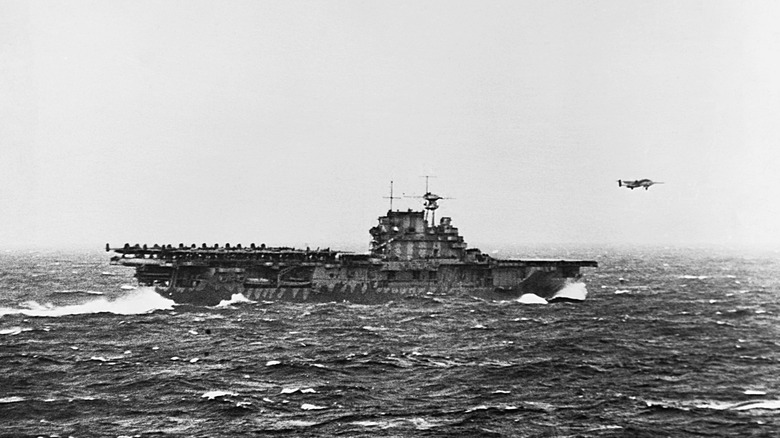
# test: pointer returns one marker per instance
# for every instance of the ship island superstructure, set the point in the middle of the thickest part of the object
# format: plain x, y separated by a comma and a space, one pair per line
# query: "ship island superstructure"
409, 256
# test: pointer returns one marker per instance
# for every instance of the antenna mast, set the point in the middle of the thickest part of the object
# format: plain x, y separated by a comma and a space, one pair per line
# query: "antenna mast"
426, 182
430, 202
391, 196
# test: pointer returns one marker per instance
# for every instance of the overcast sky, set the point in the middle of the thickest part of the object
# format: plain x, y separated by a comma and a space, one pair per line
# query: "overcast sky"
284, 121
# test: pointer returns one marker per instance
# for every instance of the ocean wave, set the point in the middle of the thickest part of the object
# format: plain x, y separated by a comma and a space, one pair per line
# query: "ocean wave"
658, 359
14, 330
718, 405
79, 291
12, 399
416, 423
741, 406
531, 299
572, 291
235, 299
143, 300
211, 395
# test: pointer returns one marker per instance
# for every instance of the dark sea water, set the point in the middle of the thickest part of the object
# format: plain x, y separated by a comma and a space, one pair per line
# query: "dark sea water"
671, 342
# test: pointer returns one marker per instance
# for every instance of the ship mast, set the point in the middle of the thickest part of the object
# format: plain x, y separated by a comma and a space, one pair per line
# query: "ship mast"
431, 203
391, 196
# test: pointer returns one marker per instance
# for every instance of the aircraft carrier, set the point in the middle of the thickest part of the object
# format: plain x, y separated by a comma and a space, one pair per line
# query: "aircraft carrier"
410, 255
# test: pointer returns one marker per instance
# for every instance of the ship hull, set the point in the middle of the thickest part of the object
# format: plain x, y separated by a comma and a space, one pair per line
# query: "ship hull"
546, 285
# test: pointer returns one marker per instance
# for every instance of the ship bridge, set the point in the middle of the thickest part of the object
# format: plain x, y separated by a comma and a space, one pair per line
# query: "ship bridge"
406, 235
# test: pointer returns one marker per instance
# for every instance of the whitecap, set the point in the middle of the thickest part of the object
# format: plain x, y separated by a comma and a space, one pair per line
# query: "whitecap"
766, 404
211, 395
754, 392
12, 399
621, 291
79, 291
425, 424
572, 291
741, 406
311, 407
289, 390
144, 300
368, 423
14, 330
531, 299
294, 424
235, 299
271, 363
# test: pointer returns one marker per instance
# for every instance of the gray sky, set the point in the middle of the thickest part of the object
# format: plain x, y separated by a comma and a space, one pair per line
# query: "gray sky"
284, 121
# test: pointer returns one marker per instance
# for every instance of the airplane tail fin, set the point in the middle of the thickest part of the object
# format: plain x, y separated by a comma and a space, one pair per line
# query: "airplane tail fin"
620, 183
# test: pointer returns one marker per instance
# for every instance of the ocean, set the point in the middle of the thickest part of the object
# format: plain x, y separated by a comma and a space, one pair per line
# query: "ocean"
670, 342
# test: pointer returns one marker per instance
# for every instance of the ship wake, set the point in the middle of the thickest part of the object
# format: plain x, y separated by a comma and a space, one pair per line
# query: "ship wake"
235, 299
139, 301
571, 292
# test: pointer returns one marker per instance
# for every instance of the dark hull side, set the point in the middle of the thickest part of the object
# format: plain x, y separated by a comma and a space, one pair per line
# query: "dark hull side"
543, 284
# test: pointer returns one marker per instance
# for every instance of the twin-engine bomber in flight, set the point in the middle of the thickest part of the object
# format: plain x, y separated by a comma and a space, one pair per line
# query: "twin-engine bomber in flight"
646, 183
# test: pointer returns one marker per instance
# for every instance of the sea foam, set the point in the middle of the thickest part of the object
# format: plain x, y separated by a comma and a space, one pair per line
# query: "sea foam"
235, 299
572, 291
531, 299
142, 300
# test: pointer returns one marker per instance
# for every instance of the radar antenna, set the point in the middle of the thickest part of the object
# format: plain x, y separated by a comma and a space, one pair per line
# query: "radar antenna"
431, 202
